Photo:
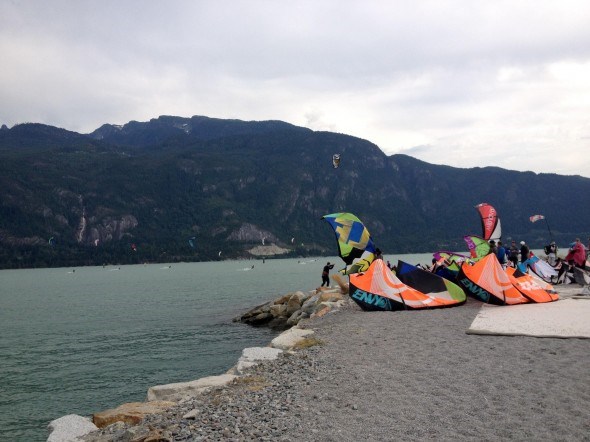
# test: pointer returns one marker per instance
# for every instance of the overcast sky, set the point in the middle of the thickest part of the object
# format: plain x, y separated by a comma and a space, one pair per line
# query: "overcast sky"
463, 83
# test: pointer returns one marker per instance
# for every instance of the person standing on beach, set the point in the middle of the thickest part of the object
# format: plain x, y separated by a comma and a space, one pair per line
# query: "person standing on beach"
326, 274
551, 251
524, 251
513, 254
577, 254
493, 248
501, 254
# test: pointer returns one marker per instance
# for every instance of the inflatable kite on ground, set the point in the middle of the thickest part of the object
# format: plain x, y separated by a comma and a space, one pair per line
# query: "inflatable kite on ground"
478, 247
379, 289
429, 283
355, 245
581, 277
542, 283
449, 264
529, 287
539, 267
487, 281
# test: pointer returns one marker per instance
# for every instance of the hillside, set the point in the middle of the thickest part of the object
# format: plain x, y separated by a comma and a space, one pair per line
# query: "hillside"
139, 192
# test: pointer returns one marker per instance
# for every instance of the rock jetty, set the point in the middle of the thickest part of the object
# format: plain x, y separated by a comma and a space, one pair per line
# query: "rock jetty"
288, 310
185, 401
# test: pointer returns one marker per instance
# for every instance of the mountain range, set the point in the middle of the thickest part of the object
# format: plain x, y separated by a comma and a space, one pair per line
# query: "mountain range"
192, 189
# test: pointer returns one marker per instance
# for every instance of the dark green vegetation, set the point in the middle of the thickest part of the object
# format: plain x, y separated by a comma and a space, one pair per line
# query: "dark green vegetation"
230, 183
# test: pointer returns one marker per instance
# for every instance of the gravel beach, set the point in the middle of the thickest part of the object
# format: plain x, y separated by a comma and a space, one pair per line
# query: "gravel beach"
409, 375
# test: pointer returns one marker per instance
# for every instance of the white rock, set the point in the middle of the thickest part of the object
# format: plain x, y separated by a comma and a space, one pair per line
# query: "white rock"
192, 414
253, 355
185, 390
290, 338
69, 428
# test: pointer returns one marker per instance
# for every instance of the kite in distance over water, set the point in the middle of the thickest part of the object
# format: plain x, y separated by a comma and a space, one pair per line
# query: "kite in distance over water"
336, 160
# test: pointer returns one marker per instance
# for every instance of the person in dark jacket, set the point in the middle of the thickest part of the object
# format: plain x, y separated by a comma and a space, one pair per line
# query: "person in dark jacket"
326, 274
501, 253
513, 254
524, 251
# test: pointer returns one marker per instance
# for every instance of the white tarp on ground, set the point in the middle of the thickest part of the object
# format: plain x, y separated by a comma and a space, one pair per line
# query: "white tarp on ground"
566, 318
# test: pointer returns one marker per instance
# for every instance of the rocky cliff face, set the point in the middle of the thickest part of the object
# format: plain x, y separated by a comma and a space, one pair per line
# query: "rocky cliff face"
110, 229
250, 232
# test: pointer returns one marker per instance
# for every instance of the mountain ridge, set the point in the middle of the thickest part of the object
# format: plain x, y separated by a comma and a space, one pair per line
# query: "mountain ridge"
138, 194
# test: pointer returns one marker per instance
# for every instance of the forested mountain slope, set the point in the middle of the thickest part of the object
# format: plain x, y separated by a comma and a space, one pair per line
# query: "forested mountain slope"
139, 192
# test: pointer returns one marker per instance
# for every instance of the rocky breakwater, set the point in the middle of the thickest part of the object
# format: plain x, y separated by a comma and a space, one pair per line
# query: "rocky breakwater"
189, 410
288, 310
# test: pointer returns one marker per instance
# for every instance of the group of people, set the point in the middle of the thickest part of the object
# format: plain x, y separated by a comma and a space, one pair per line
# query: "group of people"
512, 255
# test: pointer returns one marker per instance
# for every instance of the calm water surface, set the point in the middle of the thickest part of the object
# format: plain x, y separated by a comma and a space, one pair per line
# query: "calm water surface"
78, 341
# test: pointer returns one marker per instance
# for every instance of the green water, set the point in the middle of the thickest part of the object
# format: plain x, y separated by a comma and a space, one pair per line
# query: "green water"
78, 341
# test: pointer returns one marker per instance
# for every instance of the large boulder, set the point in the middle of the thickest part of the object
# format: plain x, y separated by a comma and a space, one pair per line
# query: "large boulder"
130, 413
69, 428
184, 390
254, 355
290, 338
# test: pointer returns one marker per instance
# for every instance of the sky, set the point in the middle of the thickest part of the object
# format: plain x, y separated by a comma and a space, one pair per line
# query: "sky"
463, 83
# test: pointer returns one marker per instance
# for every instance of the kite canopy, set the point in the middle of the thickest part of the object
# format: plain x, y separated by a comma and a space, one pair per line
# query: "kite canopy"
355, 245
429, 283
538, 266
529, 287
487, 281
478, 246
379, 289
542, 283
336, 160
490, 222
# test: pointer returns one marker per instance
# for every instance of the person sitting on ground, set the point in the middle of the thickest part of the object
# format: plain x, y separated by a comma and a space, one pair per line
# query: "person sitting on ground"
564, 272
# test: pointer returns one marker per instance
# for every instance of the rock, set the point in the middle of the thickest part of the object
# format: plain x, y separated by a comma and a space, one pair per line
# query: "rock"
193, 414
185, 390
283, 299
278, 310
322, 311
69, 428
130, 413
296, 317
309, 304
300, 296
294, 302
253, 355
330, 297
288, 339
157, 436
